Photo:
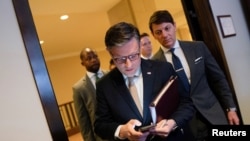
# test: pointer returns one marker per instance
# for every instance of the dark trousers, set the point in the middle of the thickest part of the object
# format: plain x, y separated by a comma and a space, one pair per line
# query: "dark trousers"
177, 135
198, 128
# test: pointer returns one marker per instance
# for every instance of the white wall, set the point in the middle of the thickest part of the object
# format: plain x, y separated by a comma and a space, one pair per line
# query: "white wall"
237, 51
22, 117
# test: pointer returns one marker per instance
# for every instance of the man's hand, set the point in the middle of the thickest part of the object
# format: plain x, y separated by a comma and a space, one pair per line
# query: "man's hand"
233, 118
164, 127
128, 131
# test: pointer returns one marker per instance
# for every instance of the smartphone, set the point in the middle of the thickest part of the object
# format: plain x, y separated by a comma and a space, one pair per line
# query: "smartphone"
146, 128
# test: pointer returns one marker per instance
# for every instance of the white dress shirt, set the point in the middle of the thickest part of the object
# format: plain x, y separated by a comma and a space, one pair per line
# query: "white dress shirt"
178, 52
92, 76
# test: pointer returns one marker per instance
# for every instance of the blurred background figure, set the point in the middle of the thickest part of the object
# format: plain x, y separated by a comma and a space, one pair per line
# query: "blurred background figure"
146, 46
84, 94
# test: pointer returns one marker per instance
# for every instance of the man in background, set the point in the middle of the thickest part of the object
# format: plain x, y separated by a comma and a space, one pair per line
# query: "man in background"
206, 83
146, 46
84, 94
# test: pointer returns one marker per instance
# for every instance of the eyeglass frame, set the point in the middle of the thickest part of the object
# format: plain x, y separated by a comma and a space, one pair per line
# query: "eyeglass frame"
123, 59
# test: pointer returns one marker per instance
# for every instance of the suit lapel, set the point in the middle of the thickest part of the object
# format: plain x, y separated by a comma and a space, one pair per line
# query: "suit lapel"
89, 84
160, 55
148, 75
189, 51
120, 85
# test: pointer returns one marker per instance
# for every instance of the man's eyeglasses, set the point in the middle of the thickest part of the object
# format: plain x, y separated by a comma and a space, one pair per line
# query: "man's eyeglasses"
123, 59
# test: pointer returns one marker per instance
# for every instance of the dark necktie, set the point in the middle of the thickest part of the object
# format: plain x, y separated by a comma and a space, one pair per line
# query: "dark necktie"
134, 93
180, 70
97, 77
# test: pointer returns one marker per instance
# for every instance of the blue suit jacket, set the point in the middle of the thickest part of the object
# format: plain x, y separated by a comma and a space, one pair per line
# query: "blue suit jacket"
115, 106
208, 83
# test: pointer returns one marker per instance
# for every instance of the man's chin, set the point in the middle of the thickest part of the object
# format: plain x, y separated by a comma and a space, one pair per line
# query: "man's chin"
96, 66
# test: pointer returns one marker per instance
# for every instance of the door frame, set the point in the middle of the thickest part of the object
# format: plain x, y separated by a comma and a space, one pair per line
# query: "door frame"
203, 27
39, 70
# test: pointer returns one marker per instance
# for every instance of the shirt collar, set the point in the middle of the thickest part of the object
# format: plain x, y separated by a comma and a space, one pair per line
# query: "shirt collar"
176, 45
137, 73
146, 57
91, 74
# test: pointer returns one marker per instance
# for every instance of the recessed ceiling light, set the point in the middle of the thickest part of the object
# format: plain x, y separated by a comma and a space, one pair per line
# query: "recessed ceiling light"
41, 42
64, 17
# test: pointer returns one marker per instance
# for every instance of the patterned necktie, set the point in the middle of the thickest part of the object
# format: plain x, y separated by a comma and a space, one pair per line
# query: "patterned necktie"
180, 70
134, 93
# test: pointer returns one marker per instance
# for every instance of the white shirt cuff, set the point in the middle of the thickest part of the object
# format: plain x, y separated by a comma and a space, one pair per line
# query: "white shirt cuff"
117, 131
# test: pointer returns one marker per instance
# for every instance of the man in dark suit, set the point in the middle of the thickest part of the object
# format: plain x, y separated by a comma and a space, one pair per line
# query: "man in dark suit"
84, 94
208, 84
117, 115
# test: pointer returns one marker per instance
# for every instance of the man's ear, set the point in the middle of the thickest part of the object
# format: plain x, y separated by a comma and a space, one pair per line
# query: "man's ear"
152, 33
82, 63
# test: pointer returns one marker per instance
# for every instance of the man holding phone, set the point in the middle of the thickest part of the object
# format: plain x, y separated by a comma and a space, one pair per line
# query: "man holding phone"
118, 116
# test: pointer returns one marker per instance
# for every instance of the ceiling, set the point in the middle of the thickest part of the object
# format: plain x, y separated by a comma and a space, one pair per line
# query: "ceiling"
86, 26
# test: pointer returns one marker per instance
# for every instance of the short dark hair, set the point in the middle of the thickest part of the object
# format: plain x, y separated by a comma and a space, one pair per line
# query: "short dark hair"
160, 16
121, 33
144, 35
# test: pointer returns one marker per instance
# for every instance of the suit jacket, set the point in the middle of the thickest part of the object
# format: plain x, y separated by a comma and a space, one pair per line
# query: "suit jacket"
115, 105
84, 97
208, 83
